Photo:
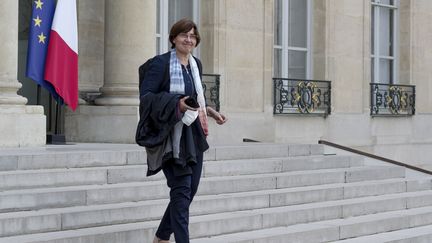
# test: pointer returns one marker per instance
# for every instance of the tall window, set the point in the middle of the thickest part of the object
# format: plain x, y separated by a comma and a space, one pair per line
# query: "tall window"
292, 50
384, 26
168, 12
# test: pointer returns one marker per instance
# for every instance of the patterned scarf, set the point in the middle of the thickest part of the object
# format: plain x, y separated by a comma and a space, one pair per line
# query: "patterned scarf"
177, 86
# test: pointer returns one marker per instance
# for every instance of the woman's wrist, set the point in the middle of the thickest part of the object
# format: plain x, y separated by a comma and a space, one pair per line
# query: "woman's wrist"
210, 111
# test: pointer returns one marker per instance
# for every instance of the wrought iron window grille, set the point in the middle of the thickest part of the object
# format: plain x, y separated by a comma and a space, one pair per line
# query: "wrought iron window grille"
392, 99
211, 87
301, 96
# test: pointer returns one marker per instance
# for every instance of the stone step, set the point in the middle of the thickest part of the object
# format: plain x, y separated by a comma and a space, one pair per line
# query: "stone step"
21, 179
334, 230
327, 214
381, 222
213, 185
262, 150
96, 215
272, 165
31, 199
10, 180
29, 159
92, 155
223, 223
296, 233
412, 235
24, 179
244, 167
121, 233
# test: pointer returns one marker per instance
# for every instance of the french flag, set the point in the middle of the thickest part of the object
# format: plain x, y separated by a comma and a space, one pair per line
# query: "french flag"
61, 65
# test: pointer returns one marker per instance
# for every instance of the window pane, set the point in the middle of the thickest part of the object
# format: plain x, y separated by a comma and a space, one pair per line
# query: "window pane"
297, 64
387, 2
373, 30
277, 63
386, 31
158, 9
297, 23
278, 22
158, 47
386, 71
179, 9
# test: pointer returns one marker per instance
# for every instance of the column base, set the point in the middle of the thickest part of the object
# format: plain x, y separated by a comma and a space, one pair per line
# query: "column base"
117, 101
102, 124
22, 126
117, 124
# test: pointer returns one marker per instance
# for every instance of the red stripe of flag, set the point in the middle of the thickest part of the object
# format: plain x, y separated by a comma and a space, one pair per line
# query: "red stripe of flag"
61, 69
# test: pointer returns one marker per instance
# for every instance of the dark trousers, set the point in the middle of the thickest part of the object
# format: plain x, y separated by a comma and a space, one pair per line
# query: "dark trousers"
182, 190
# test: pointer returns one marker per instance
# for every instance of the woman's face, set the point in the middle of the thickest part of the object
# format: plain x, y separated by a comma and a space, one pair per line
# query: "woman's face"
185, 42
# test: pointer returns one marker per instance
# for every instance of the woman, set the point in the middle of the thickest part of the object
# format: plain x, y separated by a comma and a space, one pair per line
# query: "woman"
171, 82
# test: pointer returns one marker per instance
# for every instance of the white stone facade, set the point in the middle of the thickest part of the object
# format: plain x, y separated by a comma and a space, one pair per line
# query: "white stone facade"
115, 37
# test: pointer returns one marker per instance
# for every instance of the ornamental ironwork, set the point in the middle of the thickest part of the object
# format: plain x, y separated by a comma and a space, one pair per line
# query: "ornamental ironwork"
296, 96
211, 86
392, 100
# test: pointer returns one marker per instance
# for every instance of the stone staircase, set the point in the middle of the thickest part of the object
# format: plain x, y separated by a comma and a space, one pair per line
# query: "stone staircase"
248, 193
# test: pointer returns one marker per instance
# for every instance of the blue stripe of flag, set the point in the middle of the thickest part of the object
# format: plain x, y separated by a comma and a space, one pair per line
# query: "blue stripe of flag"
43, 13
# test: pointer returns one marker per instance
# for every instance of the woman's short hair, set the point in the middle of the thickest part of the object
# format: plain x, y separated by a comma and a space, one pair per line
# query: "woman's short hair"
183, 26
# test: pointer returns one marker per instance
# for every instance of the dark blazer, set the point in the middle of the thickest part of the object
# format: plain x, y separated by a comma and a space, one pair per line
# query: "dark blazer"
157, 118
159, 113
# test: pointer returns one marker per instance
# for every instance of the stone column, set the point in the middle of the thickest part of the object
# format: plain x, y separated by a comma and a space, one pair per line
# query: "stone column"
15, 117
129, 40
9, 84
91, 27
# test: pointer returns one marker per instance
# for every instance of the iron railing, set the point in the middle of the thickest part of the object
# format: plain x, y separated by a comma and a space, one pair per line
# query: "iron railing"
392, 100
211, 86
297, 96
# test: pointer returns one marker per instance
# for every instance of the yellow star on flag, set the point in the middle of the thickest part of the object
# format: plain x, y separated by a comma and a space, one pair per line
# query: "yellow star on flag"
42, 38
37, 21
38, 4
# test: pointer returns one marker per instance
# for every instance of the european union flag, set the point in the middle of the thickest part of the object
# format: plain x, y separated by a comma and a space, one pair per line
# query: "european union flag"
40, 28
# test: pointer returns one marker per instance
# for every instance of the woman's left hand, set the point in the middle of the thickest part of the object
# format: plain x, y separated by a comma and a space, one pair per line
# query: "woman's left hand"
219, 118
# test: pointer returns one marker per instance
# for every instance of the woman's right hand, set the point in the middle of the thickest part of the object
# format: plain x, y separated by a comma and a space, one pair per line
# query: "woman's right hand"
183, 107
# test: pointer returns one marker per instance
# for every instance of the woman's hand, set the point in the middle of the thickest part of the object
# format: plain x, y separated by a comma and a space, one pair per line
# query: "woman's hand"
183, 107
219, 118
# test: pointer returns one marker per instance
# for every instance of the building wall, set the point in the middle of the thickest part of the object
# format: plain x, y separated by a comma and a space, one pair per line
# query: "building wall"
237, 42
239, 47
420, 71
421, 58
341, 53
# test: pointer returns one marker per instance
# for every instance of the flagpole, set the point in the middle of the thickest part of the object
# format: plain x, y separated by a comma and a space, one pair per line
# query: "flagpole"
38, 95
55, 136
50, 111
56, 124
